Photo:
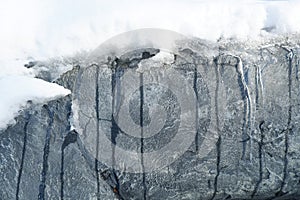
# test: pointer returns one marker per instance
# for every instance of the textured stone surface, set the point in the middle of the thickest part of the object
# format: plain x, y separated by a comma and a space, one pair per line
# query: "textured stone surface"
246, 103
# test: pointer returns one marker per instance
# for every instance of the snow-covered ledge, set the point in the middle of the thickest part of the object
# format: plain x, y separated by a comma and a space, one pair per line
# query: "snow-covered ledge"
17, 90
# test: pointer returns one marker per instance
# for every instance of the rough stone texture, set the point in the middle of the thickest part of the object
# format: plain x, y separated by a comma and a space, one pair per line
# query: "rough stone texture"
38, 160
249, 92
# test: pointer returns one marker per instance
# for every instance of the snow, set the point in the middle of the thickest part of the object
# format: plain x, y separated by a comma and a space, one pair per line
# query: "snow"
18, 86
155, 62
16, 90
43, 29
37, 30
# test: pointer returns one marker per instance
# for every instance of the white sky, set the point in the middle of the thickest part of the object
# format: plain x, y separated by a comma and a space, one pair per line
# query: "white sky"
45, 28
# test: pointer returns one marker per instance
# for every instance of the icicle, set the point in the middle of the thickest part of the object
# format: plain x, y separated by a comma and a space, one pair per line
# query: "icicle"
249, 117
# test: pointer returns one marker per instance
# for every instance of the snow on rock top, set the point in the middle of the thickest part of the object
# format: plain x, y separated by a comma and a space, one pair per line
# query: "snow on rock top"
156, 61
16, 90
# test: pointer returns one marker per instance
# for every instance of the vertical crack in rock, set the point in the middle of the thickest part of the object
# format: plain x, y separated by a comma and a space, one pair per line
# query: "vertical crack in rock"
62, 174
110, 177
97, 131
42, 186
106, 174
260, 145
247, 108
70, 138
69, 114
142, 134
116, 88
197, 108
259, 101
27, 118
297, 67
218, 144
257, 69
290, 57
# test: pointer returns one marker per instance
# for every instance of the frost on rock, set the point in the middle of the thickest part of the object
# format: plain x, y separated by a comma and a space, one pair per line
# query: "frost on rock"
51, 69
161, 58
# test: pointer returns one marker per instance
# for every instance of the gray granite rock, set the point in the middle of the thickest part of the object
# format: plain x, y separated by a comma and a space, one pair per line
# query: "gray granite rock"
206, 121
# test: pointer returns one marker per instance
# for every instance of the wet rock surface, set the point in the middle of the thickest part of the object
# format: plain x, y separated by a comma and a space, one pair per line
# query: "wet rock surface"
243, 102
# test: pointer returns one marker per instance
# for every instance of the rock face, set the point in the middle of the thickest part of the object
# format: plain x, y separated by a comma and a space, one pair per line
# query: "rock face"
207, 121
